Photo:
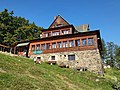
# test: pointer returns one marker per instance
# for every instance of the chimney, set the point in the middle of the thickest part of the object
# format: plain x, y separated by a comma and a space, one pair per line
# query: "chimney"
55, 17
85, 27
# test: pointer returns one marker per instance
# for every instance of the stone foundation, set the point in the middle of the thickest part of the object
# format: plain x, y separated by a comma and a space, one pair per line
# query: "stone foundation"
89, 59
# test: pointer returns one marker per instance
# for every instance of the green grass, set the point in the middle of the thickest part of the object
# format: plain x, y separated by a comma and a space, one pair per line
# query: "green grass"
17, 73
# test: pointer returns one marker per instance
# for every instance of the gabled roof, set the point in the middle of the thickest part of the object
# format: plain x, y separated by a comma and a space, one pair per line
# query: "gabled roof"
59, 21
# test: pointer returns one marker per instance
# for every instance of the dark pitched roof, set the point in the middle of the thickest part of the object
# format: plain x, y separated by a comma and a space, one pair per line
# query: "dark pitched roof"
56, 20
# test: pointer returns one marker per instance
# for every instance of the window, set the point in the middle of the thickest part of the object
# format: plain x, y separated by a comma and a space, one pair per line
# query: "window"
59, 44
71, 57
52, 57
49, 34
90, 41
65, 31
55, 33
71, 43
48, 46
65, 44
84, 42
45, 34
38, 47
53, 45
59, 25
77, 42
43, 46
33, 47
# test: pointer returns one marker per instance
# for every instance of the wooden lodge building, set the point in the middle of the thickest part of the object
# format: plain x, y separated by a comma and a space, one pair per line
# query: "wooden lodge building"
66, 45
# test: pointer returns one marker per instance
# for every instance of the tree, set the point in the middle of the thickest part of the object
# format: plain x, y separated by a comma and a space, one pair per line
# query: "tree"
29, 32
111, 53
14, 29
117, 56
103, 53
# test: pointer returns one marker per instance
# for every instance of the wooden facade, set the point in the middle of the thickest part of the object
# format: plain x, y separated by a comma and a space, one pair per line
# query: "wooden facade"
62, 37
65, 43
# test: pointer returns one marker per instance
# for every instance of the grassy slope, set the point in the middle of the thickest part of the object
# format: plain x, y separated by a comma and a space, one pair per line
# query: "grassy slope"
17, 73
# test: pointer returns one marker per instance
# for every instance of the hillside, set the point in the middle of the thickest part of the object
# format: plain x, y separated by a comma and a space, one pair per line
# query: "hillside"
18, 73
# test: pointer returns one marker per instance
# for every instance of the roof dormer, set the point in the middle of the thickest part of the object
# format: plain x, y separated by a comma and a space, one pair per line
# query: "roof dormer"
58, 27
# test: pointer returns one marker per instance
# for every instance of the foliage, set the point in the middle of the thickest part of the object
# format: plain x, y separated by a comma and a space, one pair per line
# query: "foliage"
116, 86
17, 73
14, 29
114, 75
104, 51
111, 54
117, 56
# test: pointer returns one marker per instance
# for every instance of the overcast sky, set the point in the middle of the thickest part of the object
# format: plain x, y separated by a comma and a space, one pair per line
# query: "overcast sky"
99, 14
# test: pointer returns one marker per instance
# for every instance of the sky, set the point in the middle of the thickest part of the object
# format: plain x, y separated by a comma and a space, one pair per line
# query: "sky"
103, 15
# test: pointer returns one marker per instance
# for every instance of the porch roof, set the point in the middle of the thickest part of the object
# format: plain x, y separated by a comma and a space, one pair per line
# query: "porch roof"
23, 44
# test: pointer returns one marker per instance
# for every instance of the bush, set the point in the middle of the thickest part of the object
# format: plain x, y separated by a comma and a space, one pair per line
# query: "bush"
116, 86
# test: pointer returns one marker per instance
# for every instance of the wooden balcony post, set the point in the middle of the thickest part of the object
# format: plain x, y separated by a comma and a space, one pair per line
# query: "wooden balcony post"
51, 33
60, 32
80, 42
86, 41
40, 46
50, 45
70, 31
56, 45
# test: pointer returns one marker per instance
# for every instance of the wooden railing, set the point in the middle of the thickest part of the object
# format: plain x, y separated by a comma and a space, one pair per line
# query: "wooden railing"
68, 49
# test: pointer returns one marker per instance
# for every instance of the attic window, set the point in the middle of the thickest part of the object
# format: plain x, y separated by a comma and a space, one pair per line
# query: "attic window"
59, 25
